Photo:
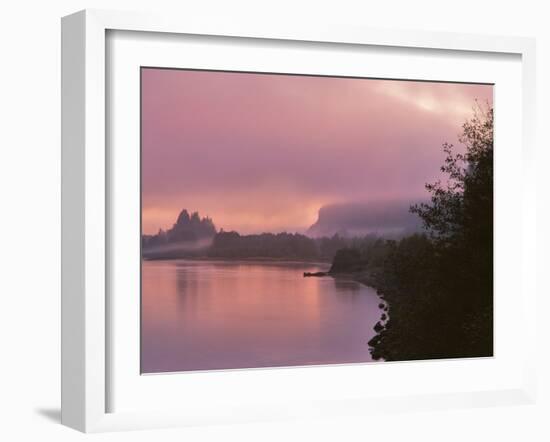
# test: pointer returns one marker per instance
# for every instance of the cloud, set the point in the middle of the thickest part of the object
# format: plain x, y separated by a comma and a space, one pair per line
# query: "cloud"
265, 152
450, 100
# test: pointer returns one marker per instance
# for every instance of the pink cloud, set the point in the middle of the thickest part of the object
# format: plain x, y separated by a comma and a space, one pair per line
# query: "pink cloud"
263, 152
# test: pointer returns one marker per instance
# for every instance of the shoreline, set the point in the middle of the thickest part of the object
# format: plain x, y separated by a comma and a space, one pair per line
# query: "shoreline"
368, 280
234, 260
361, 277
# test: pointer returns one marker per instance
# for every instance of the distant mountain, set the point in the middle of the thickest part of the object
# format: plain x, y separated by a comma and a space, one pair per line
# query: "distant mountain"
189, 232
387, 219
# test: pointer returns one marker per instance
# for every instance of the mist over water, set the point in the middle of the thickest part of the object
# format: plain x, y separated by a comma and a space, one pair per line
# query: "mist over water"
388, 218
206, 315
180, 247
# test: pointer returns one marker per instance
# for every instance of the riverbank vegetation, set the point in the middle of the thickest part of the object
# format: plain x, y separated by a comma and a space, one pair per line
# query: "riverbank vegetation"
439, 284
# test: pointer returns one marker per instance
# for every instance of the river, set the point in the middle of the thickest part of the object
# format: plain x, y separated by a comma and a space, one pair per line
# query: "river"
205, 315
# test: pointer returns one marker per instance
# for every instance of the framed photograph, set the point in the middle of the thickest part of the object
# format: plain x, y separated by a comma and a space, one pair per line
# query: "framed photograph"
262, 222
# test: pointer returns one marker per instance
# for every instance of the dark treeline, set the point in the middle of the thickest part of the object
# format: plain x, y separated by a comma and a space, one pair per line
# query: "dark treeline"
439, 285
266, 245
193, 237
284, 246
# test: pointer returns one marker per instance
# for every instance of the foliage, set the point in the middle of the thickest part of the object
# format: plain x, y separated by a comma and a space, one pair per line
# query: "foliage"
265, 245
439, 286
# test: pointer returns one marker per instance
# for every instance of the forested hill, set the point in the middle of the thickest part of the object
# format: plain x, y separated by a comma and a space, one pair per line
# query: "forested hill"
390, 219
187, 229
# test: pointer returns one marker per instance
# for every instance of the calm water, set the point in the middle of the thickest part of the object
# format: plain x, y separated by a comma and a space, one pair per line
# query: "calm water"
204, 315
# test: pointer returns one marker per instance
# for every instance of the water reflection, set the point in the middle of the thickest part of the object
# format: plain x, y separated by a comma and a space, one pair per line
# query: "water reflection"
199, 315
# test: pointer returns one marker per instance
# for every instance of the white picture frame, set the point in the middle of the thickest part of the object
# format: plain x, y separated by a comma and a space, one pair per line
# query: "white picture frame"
86, 203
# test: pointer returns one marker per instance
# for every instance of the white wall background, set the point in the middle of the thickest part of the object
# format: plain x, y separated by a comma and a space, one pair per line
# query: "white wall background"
30, 216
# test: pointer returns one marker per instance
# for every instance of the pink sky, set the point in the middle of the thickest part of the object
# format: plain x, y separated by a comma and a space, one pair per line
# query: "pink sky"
263, 152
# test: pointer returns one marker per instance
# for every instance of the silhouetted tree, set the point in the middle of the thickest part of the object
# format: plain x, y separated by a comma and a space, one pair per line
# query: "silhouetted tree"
440, 288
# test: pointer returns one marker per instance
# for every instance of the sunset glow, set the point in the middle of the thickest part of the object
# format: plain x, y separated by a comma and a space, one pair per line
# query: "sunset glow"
259, 152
